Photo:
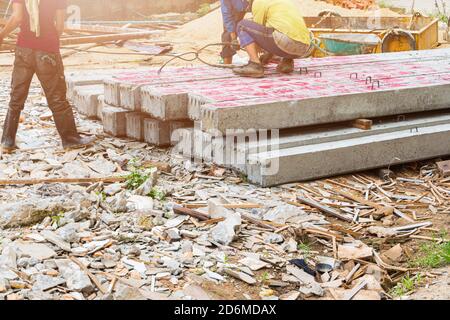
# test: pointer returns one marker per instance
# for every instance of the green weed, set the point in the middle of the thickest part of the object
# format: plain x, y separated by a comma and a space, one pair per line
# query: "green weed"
433, 255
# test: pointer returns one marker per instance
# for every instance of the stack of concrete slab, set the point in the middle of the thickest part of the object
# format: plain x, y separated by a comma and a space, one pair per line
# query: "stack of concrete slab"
286, 128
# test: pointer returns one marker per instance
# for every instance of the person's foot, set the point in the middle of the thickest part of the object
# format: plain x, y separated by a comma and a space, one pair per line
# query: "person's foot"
286, 66
252, 70
8, 149
266, 58
77, 142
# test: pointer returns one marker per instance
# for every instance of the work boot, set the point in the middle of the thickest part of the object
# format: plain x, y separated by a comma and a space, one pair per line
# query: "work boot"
65, 124
286, 66
9, 131
252, 70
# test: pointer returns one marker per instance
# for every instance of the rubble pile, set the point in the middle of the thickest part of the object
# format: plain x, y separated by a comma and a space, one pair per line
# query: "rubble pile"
141, 223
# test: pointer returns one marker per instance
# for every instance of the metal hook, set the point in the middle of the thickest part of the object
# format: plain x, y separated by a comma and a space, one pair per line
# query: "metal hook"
373, 84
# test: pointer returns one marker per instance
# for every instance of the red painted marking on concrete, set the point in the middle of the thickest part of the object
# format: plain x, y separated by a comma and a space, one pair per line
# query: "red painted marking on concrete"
326, 77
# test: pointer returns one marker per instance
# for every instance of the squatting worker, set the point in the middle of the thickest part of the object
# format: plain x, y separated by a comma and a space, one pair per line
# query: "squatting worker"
278, 27
233, 11
37, 52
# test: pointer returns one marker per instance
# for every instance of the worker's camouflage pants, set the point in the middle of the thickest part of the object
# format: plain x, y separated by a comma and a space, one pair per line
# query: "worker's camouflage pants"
50, 71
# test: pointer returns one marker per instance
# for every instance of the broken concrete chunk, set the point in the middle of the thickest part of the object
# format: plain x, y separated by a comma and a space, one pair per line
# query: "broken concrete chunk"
393, 255
8, 258
37, 251
241, 276
309, 284
382, 232
273, 238
31, 211
225, 231
76, 279
356, 250
253, 263
139, 203
43, 282
281, 214
52, 237
124, 292
112, 189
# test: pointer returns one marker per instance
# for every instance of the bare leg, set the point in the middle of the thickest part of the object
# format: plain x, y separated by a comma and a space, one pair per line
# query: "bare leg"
227, 60
253, 50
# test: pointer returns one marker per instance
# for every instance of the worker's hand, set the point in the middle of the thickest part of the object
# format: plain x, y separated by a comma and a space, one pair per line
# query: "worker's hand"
235, 45
1, 41
233, 36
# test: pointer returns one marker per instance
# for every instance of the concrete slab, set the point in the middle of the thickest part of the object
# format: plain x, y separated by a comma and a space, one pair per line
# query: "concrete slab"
114, 121
135, 125
111, 92
85, 99
308, 136
100, 106
157, 132
164, 133
164, 105
282, 112
349, 155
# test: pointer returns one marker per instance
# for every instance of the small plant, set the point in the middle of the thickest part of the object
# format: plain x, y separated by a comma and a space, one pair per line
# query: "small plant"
101, 195
265, 277
433, 255
157, 194
406, 285
305, 249
56, 219
244, 178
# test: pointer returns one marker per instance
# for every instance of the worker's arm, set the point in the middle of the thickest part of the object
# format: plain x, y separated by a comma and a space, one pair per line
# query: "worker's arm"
260, 11
14, 20
60, 20
228, 17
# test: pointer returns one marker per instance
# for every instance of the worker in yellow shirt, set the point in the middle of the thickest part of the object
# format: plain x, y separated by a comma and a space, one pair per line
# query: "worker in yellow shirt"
278, 27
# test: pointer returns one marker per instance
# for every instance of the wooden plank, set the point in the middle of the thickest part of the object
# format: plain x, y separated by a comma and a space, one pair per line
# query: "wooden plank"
106, 38
327, 210
363, 124
189, 212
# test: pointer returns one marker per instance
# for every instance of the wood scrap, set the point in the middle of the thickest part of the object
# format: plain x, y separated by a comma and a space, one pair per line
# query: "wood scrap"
363, 124
325, 209
90, 275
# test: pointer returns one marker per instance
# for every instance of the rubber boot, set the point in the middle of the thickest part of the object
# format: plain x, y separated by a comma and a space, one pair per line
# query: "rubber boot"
286, 66
65, 124
9, 131
252, 70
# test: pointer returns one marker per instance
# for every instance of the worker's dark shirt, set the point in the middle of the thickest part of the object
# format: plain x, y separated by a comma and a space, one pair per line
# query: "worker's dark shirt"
231, 10
48, 41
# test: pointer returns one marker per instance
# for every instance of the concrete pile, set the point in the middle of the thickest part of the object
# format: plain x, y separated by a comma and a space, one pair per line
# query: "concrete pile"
286, 128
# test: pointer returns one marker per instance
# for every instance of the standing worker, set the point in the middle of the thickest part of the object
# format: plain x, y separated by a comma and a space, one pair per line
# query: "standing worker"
278, 27
37, 52
233, 11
